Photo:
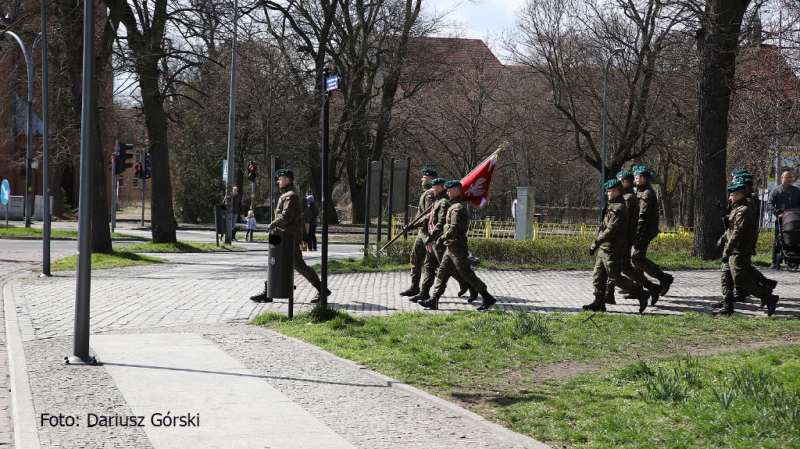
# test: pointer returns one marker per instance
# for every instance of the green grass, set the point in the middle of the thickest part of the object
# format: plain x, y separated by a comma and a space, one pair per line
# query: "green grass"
100, 261
178, 247
640, 391
58, 233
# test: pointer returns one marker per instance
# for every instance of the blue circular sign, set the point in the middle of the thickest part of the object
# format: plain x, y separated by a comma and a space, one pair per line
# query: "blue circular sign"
5, 191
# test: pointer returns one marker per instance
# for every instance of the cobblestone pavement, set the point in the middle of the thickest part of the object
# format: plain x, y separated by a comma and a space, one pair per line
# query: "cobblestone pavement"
208, 294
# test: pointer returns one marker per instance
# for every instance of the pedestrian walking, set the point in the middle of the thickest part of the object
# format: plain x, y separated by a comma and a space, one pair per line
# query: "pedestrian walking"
418, 252
783, 197
647, 230
608, 249
251, 226
738, 252
311, 235
455, 257
289, 218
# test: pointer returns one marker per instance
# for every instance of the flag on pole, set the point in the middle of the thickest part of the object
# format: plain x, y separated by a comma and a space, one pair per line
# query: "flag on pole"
476, 185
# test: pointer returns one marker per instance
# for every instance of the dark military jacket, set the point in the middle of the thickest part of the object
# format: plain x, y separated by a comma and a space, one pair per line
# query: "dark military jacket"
613, 235
456, 223
740, 231
632, 203
438, 216
289, 213
647, 225
425, 201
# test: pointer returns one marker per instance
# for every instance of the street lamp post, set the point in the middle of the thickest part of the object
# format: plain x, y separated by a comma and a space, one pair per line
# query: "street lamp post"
231, 132
603, 154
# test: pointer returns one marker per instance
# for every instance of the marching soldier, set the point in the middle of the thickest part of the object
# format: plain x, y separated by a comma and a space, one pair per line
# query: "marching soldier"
647, 230
738, 252
609, 247
435, 247
418, 250
454, 259
289, 218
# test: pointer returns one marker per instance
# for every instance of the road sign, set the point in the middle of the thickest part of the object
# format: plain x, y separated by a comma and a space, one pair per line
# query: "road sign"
331, 83
224, 170
5, 191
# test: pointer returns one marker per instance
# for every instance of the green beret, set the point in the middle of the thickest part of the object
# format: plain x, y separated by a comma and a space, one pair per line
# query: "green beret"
739, 172
284, 172
641, 170
436, 182
625, 175
612, 184
429, 172
736, 187
743, 179
452, 183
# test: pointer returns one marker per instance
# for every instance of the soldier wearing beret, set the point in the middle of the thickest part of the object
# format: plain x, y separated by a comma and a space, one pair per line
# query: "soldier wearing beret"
738, 253
289, 218
608, 249
647, 230
435, 247
454, 259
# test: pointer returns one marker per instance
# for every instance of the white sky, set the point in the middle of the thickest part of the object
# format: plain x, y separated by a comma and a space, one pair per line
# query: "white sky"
481, 18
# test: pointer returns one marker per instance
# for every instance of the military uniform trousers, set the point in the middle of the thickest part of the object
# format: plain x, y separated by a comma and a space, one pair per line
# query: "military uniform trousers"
641, 262
738, 272
608, 267
303, 269
627, 269
418, 253
432, 261
454, 260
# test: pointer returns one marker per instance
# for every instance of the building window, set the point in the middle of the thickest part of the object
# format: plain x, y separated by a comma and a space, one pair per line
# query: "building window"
135, 182
120, 181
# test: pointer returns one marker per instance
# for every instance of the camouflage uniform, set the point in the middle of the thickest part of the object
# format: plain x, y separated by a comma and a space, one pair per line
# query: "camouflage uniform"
611, 246
454, 259
418, 251
436, 248
289, 218
646, 231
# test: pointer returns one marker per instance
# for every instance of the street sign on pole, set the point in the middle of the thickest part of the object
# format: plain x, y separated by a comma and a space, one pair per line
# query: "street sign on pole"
224, 170
331, 83
5, 194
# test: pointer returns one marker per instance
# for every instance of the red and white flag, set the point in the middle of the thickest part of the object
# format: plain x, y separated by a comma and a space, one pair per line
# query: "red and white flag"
476, 185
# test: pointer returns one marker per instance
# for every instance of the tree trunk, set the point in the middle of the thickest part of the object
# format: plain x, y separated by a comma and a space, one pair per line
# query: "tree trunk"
717, 42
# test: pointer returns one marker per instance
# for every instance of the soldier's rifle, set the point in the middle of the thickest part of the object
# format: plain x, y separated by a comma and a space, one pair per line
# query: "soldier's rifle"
408, 227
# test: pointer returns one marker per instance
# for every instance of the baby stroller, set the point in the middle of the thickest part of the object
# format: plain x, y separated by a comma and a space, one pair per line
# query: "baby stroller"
789, 229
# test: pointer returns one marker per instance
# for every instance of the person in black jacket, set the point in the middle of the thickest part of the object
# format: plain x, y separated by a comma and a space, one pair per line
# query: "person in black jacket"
783, 197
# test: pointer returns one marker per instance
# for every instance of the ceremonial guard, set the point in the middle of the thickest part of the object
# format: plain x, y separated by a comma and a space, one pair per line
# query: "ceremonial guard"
418, 252
647, 230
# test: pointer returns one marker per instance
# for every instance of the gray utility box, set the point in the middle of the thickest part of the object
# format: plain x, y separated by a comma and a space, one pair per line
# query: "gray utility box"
280, 272
524, 214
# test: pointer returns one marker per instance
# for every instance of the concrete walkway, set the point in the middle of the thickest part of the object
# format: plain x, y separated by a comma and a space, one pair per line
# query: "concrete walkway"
173, 343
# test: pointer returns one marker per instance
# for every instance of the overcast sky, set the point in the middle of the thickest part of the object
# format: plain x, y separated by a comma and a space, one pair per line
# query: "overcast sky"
481, 18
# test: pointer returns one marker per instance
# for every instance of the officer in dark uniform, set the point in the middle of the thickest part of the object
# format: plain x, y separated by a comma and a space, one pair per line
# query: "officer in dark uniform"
289, 218
418, 250
454, 237
435, 247
647, 230
608, 249
738, 253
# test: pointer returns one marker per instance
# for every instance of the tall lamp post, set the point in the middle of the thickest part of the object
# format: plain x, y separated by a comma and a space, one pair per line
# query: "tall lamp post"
603, 154
229, 213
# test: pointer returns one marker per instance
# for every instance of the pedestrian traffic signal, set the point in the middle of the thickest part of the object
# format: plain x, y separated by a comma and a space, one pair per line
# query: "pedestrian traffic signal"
111, 162
138, 173
147, 165
122, 159
251, 171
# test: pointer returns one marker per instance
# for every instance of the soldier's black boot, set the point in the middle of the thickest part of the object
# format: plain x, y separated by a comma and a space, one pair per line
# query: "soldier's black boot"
488, 301
423, 295
430, 303
597, 305
412, 291
473, 294
318, 298
727, 308
643, 295
771, 301
653, 290
666, 283
608, 298
462, 288
261, 297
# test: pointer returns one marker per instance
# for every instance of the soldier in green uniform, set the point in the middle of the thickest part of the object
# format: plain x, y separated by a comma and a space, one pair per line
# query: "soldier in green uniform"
738, 252
434, 246
418, 250
454, 237
627, 269
609, 247
647, 230
289, 218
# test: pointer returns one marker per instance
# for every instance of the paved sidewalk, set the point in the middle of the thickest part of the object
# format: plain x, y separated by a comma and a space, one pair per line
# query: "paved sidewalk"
172, 339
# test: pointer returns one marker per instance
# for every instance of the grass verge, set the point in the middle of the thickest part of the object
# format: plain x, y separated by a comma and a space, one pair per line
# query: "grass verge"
58, 233
634, 386
100, 261
179, 247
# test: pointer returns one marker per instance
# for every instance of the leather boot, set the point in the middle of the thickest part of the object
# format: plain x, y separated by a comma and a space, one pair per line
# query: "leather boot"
261, 297
462, 288
771, 302
318, 298
653, 290
473, 294
430, 303
423, 295
608, 298
597, 305
412, 291
666, 283
643, 296
727, 308
488, 301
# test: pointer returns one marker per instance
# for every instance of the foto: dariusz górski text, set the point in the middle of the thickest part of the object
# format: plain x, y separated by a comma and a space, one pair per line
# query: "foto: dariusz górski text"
98, 420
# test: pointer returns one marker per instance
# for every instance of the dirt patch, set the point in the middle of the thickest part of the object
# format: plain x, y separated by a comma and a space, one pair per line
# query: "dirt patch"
561, 371
743, 346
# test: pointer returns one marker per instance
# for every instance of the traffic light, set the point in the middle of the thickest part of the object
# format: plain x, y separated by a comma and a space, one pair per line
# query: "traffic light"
122, 159
138, 171
111, 162
147, 165
251, 171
